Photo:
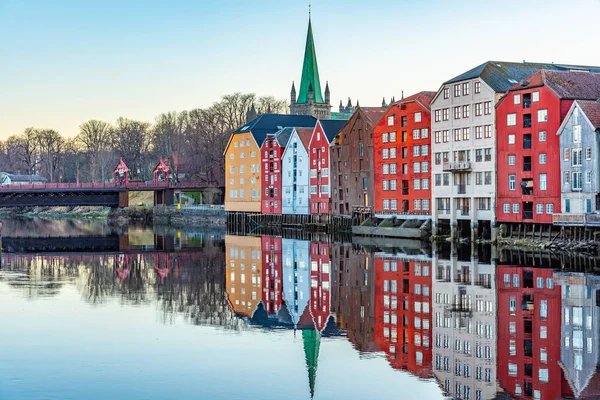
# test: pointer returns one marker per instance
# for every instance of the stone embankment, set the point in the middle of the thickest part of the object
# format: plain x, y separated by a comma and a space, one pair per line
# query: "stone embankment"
204, 217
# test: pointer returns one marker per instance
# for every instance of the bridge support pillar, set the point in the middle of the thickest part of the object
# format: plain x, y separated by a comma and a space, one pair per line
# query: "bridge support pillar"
124, 199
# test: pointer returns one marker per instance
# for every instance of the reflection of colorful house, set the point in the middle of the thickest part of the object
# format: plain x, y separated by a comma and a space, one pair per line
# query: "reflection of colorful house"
352, 295
464, 326
320, 297
271, 274
579, 353
296, 276
529, 308
244, 273
403, 311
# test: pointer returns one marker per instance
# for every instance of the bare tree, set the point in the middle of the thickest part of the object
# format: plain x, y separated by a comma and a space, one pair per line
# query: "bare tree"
168, 134
51, 146
95, 136
269, 104
131, 141
233, 109
25, 149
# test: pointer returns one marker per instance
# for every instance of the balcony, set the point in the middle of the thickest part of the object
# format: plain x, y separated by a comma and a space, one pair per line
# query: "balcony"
568, 219
457, 166
462, 189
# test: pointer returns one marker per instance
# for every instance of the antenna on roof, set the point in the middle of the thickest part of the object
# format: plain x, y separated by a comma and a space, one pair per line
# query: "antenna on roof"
403, 95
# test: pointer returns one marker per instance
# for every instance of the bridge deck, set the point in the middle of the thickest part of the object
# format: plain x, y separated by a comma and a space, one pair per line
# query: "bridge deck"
100, 186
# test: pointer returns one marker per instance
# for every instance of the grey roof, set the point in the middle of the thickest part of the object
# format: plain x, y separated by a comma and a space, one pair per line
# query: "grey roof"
331, 127
24, 178
283, 135
264, 124
501, 75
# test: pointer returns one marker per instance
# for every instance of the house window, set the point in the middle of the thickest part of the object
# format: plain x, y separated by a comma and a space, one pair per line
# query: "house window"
477, 87
393, 184
542, 158
425, 166
416, 134
478, 107
487, 107
437, 115
465, 88
515, 208
588, 177
488, 178
392, 168
487, 131
392, 137
360, 150
511, 119
506, 208
457, 90
543, 183
542, 115
416, 167
457, 135
386, 169
566, 178
511, 139
417, 206
417, 183
438, 179
488, 154
386, 204
385, 184
425, 133
390, 120
394, 205
416, 151
418, 117
446, 136
567, 154
543, 375
576, 133
446, 93
466, 133
512, 159
466, 111
445, 114
576, 180
478, 132
588, 153
424, 150
543, 306
457, 112
425, 185
512, 182
539, 208
385, 153
517, 99
384, 138
512, 369
393, 152
543, 332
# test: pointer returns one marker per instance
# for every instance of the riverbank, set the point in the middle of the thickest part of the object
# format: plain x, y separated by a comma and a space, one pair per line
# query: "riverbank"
77, 212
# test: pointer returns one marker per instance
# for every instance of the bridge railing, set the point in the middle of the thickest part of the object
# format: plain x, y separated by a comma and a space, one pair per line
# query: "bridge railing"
104, 185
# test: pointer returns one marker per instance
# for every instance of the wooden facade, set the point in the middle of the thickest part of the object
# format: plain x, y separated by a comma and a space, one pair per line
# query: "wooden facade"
352, 161
402, 157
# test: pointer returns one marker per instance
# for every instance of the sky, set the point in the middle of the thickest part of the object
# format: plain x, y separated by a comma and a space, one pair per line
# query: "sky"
64, 62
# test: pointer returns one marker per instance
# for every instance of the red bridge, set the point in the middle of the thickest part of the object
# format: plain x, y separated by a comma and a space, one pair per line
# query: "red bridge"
107, 194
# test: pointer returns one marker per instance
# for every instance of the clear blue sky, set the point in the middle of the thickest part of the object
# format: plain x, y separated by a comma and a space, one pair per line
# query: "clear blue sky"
63, 62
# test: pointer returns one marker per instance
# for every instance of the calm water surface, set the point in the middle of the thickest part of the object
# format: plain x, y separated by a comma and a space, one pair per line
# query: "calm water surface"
92, 312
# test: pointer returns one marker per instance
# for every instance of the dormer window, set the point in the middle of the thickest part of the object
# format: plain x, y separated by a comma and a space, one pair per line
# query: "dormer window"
390, 120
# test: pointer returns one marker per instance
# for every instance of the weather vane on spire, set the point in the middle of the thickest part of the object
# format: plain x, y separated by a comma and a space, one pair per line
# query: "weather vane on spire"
308, 10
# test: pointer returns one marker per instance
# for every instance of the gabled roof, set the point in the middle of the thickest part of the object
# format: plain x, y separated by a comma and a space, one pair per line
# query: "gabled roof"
23, 178
501, 75
423, 98
565, 84
304, 134
271, 123
591, 108
372, 114
331, 127
310, 71
283, 135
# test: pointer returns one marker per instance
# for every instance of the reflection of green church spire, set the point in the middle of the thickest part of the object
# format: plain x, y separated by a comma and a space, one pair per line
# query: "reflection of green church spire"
312, 341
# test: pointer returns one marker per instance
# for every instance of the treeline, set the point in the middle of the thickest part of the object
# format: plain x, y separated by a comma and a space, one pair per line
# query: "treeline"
193, 140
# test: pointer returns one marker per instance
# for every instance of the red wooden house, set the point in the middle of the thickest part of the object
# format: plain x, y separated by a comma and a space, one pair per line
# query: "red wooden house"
528, 155
529, 332
271, 152
402, 157
272, 284
320, 188
402, 322
320, 284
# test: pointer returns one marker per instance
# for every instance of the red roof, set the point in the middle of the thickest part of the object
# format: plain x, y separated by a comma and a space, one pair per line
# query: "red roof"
591, 108
372, 114
424, 98
565, 84
305, 134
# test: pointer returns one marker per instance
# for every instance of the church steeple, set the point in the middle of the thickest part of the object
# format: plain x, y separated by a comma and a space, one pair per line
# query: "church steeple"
310, 71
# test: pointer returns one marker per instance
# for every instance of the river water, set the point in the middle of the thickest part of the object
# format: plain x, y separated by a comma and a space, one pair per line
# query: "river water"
93, 312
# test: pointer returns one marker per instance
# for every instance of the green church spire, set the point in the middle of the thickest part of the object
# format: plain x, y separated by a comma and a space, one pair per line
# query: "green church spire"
312, 343
310, 71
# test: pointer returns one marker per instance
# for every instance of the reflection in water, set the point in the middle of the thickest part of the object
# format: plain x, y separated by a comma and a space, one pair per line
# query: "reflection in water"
478, 329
